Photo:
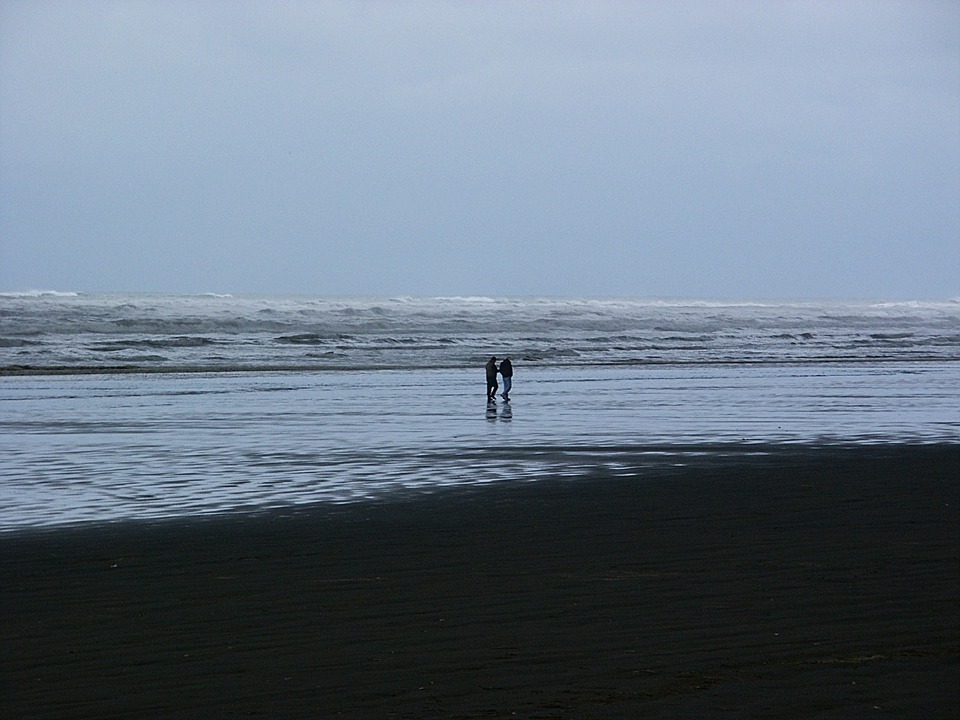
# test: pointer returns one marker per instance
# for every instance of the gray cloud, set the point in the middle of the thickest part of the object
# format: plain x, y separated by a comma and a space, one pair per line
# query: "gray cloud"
722, 149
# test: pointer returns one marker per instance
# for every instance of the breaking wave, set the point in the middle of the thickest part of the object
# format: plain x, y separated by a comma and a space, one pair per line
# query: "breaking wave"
47, 329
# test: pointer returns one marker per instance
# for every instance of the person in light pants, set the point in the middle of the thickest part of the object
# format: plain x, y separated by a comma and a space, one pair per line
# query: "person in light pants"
506, 371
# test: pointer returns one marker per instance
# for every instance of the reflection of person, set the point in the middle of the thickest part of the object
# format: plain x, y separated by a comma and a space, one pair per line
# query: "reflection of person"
506, 369
491, 368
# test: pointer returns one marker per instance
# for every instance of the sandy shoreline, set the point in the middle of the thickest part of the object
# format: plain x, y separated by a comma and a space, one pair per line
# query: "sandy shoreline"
804, 585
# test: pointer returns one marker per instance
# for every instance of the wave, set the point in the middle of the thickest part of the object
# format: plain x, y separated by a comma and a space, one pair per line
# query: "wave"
334, 361
155, 343
311, 339
68, 330
38, 294
16, 342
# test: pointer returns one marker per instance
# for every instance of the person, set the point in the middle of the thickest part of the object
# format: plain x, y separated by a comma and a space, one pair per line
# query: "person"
491, 368
506, 370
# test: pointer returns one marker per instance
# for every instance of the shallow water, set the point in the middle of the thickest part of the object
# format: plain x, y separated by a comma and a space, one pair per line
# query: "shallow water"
81, 448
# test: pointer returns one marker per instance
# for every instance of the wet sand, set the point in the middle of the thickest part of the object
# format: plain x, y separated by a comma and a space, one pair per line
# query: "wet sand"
808, 583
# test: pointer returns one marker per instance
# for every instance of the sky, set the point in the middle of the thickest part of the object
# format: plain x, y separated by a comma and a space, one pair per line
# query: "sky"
712, 149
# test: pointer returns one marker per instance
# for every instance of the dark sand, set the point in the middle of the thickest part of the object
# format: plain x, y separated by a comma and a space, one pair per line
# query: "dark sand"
814, 583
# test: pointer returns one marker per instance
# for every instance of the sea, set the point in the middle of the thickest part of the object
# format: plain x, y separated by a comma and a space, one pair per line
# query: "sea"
143, 407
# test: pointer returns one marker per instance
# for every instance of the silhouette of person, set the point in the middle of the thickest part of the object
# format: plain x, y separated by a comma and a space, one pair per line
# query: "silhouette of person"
491, 368
506, 370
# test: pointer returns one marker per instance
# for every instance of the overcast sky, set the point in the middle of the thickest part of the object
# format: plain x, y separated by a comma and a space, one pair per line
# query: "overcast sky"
699, 149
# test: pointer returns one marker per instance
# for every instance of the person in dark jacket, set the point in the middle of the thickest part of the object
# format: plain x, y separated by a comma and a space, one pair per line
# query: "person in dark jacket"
506, 370
491, 368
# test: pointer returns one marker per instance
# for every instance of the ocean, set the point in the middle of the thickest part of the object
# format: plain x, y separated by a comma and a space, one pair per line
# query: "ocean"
155, 407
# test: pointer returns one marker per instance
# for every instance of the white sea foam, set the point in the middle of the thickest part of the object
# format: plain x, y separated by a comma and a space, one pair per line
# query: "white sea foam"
37, 294
220, 332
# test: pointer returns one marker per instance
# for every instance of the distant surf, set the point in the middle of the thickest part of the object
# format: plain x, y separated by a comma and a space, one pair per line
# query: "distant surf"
44, 331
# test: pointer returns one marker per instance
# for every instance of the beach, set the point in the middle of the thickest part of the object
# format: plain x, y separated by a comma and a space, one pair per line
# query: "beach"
800, 582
